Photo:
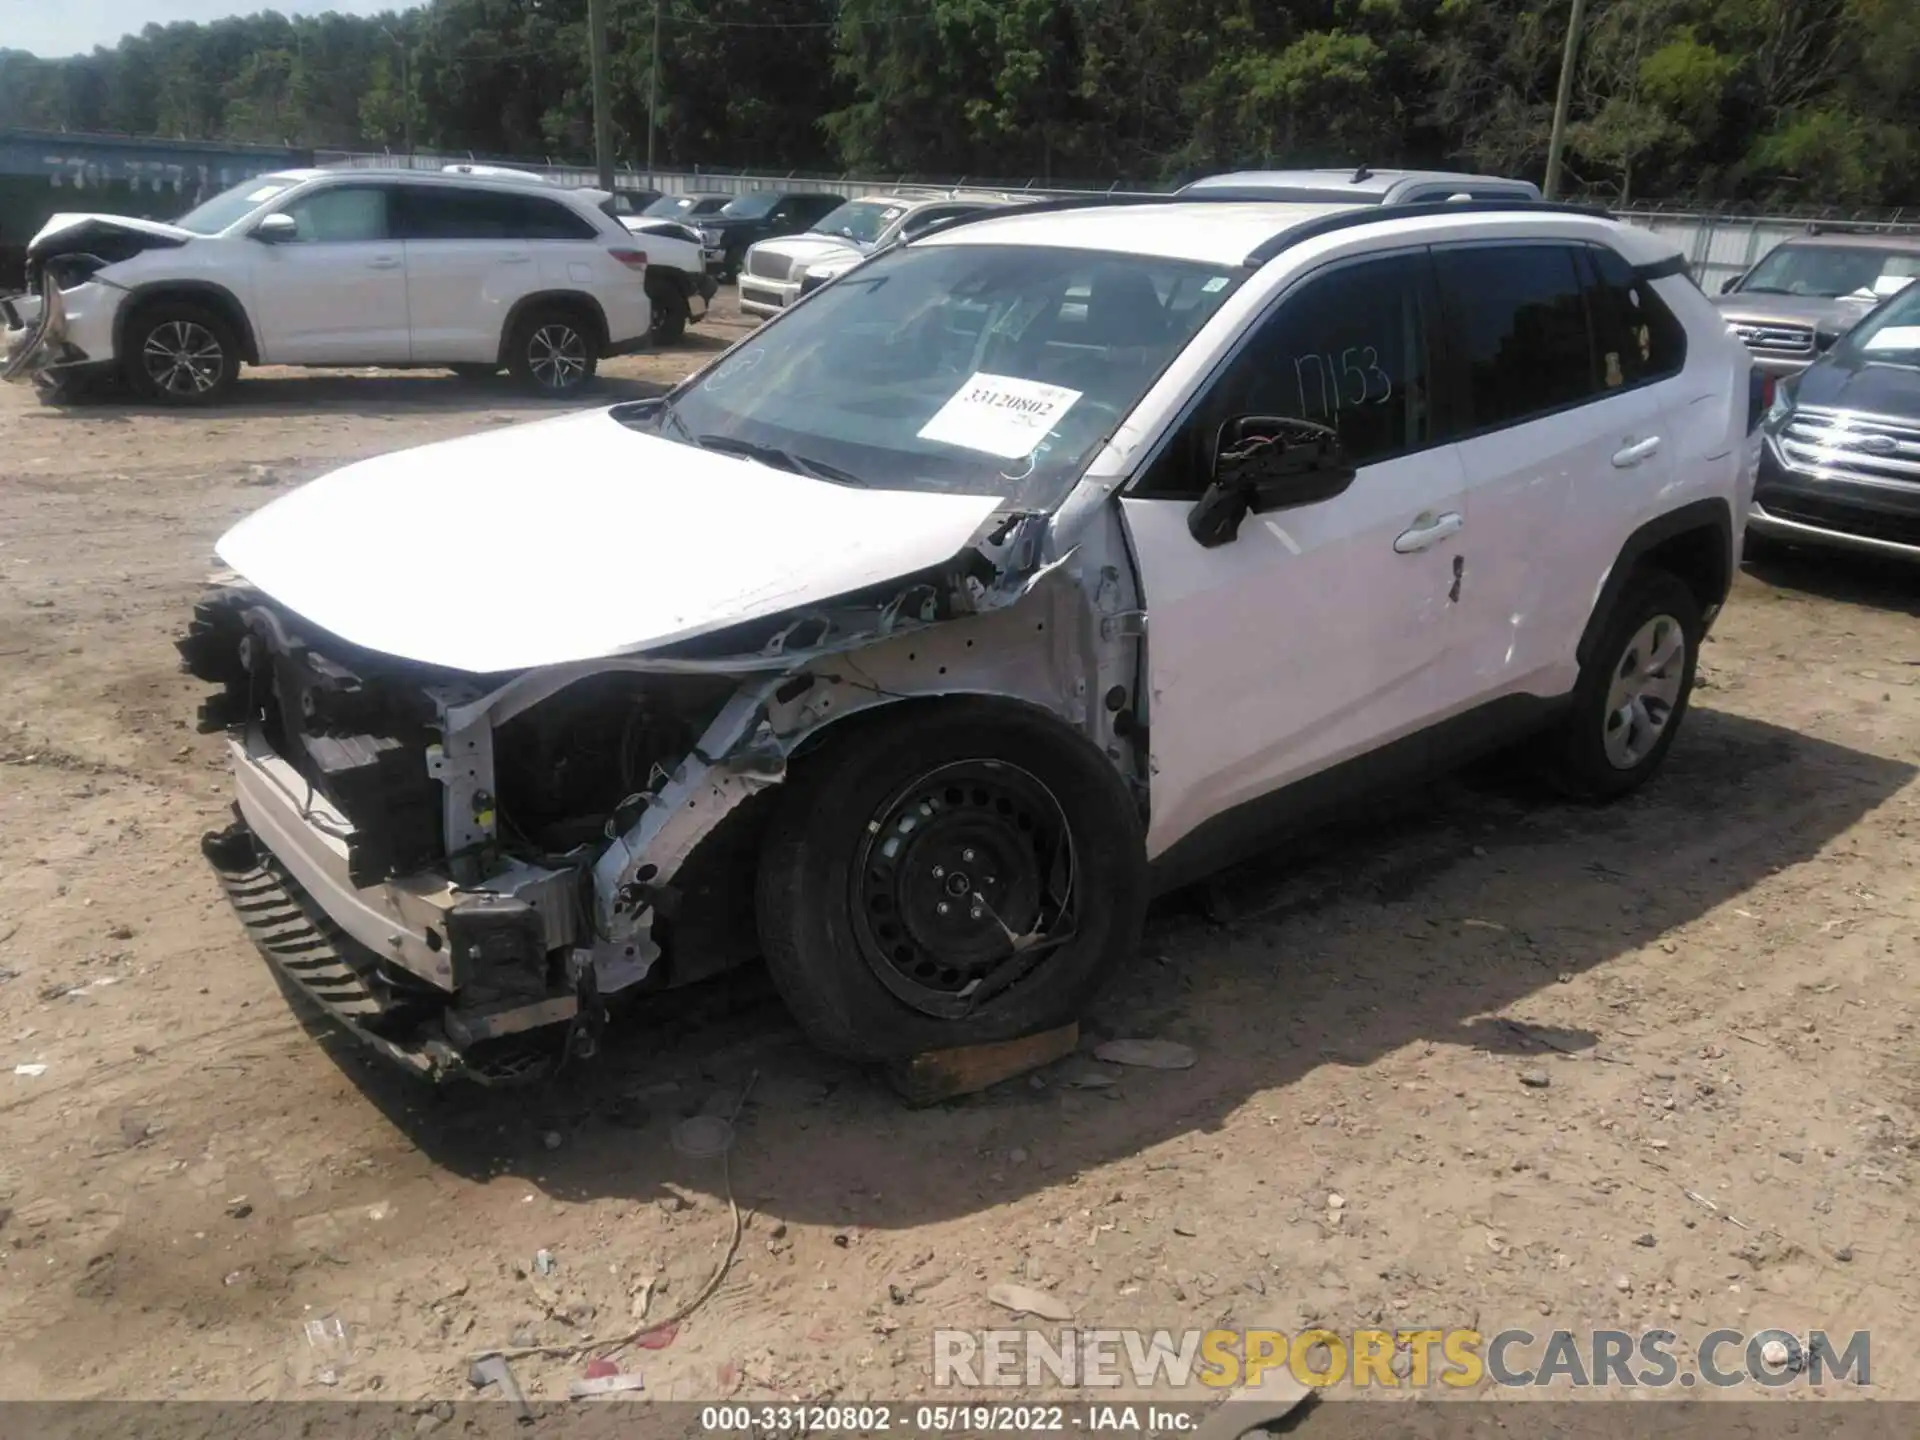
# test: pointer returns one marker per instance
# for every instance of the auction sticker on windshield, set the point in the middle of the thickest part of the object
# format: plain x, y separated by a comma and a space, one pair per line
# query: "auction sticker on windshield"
1001, 415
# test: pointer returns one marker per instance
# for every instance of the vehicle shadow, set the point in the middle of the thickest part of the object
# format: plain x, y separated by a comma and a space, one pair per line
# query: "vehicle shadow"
1881, 581
288, 393
1433, 922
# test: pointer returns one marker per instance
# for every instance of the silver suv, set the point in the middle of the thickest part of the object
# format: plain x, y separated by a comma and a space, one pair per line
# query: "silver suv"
1806, 293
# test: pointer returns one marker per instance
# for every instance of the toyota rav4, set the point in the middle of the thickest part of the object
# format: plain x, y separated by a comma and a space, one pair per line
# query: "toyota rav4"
1047, 561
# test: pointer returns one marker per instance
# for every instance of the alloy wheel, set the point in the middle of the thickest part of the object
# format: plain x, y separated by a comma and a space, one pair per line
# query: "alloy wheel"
557, 356
183, 358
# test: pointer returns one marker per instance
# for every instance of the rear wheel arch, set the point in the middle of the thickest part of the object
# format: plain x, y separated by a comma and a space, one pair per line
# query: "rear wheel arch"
1694, 543
217, 298
576, 302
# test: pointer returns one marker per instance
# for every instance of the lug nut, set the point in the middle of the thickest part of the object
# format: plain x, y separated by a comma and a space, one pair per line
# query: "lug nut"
967, 855
942, 908
939, 872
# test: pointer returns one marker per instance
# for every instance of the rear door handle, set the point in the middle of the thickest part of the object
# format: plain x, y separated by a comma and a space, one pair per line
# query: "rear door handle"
1428, 530
384, 262
1634, 452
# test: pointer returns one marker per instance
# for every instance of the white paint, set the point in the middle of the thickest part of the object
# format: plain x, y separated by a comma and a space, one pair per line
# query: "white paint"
573, 539
1000, 415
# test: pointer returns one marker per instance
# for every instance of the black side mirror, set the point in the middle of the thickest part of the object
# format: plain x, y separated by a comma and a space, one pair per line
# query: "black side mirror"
1267, 462
1825, 338
1730, 284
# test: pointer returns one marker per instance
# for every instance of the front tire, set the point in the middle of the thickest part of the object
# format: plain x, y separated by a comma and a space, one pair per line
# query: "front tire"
967, 874
1633, 694
179, 353
553, 353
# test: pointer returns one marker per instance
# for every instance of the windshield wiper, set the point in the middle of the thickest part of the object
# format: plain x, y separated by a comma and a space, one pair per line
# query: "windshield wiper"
671, 416
779, 459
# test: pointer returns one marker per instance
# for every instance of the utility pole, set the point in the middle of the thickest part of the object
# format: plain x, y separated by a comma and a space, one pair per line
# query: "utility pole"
653, 89
406, 93
1562, 102
405, 46
602, 102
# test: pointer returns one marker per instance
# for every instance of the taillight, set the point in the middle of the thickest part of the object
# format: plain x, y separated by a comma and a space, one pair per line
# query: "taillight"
632, 259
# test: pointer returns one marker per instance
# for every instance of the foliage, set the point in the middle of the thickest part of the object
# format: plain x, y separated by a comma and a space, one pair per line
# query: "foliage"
1768, 101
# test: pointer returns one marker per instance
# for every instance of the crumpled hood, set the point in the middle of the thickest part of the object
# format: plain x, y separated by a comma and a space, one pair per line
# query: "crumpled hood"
573, 539
65, 230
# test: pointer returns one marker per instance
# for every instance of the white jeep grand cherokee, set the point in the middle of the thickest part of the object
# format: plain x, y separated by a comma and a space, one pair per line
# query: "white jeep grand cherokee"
333, 267
1027, 569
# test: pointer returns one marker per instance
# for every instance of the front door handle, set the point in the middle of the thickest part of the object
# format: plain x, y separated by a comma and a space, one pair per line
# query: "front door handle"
384, 262
1428, 530
1635, 451
515, 259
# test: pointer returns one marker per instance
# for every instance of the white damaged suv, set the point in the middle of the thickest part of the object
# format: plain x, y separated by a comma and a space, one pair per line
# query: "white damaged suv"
405, 268
1030, 568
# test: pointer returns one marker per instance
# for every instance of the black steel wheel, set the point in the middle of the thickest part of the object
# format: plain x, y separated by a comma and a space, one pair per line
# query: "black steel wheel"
961, 873
964, 879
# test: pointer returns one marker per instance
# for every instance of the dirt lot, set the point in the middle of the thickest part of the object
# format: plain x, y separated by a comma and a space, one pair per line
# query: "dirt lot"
1714, 986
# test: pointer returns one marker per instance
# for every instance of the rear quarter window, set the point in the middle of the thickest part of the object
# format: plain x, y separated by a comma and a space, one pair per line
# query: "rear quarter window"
1638, 338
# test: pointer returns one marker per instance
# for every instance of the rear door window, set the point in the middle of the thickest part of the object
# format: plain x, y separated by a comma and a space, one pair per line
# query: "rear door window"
1521, 343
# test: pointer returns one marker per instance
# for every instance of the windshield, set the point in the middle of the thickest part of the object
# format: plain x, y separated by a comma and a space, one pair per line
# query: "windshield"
750, 207
231, 205
971, 369
1890, 335
860, 221
1831, 271
672, 207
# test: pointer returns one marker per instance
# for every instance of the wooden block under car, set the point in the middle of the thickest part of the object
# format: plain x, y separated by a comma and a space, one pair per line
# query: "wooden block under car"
936, 1075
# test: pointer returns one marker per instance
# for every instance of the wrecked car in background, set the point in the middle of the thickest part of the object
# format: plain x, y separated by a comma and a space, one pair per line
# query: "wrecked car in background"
839, 654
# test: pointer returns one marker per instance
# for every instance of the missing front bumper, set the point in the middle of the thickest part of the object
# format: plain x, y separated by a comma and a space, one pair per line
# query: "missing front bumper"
343, 980
36, 342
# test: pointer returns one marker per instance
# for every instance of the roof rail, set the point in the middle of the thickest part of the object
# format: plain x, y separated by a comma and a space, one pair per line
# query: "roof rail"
1346, 219
1293, 234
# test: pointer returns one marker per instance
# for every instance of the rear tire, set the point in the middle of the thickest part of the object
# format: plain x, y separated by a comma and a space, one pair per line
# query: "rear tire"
670, 315
180, 353
553, 352
1633, 694
906, 849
